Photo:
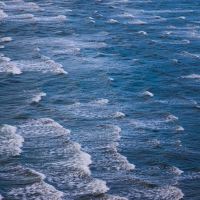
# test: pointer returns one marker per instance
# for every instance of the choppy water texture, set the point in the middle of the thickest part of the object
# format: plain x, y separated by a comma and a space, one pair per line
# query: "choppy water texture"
99, 99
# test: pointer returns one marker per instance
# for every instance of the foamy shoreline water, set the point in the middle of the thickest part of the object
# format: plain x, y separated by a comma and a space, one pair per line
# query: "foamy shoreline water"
99, 100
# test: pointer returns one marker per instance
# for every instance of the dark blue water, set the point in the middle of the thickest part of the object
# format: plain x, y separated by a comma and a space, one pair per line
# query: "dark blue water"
99, 100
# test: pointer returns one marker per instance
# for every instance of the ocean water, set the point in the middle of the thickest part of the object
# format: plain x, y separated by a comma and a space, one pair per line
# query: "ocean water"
100, 100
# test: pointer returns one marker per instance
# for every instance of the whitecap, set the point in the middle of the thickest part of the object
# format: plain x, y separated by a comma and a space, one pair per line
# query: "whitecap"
113, 21
196, 76
42, 176
147, 93
128, 15
167, 32
71, 158
1, 46
110, 79
139, 22
1, 197
159, 17
38, 97
172, 117
142, 32
181, 17
22, 18
119, 115
32, 4
173, 27
7, 67
155, 143
114, 160
3, 58
109, 197
190, 54
58, 67
14, 70
175, 60
186, 41
44, 66
52, 19
157, 193
179, 128
6, 39
38, 190
101, 101
115, 128
3, 15
37, 49
48, 123
176, 170
10, 141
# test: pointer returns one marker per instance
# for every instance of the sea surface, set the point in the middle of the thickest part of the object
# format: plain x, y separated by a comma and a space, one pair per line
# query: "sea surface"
99, 100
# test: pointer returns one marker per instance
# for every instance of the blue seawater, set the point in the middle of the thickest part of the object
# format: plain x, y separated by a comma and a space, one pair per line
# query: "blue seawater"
100, 99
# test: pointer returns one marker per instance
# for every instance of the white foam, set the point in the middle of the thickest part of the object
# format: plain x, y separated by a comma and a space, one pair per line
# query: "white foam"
2, 15
110, 197
114, 160
43, 65
155, 142
38, 97
193, 102
181, 17
128, 15
179, 128
173, 27
119, 114
190, 54
192, 76
138, 22
38, 190
142, 32
13, 70
1, 46
48, 123
20, 4
93, 187
116, 128
175, 60
186, 41
10, 141
150, 124
113, 21
176, 170
7, 67
37, 49
101, 101
147, 93
172, 117
110, 79
52, 19
22, 17
158, 193
71, 158
3, 58
6, 39
42, 176
167, 32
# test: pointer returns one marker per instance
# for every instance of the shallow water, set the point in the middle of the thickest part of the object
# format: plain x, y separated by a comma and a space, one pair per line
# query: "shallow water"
99, 99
